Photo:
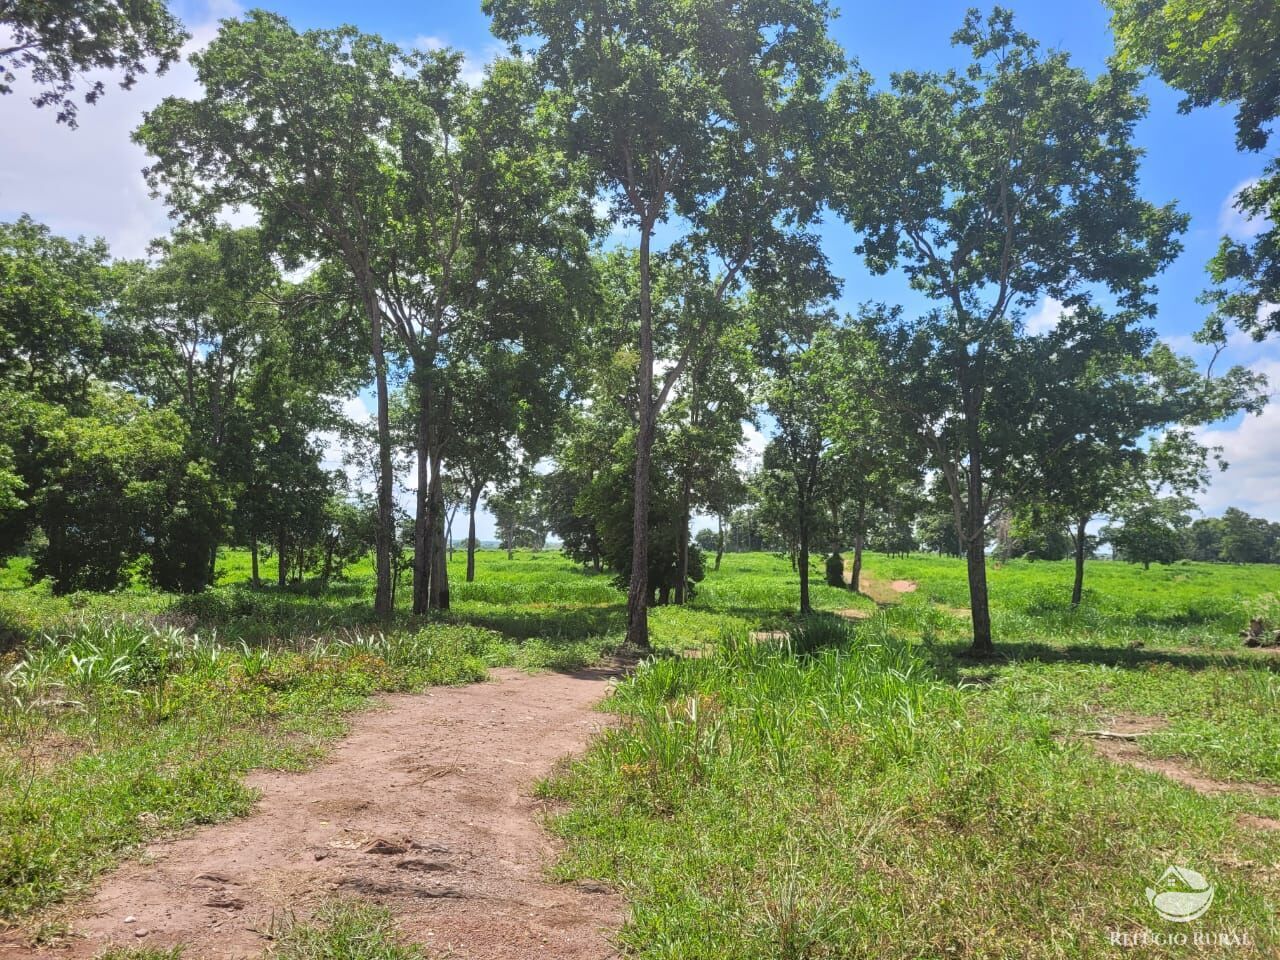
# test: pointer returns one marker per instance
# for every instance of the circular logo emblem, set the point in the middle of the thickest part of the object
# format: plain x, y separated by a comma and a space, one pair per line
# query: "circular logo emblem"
1181, 895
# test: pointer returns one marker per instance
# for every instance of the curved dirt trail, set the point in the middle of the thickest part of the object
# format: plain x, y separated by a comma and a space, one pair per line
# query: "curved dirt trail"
424, 806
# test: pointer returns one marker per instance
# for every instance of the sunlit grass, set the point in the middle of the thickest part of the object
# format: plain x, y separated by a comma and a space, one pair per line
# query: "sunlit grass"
855, 789
864, 791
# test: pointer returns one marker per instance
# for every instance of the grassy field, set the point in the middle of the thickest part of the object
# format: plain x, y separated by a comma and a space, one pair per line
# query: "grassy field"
865, 791
857, 789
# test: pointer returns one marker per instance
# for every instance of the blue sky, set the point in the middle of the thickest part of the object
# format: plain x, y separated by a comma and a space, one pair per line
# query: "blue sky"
87, 181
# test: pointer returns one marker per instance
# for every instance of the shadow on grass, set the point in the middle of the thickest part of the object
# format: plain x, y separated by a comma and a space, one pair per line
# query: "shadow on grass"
567, 622
949, 660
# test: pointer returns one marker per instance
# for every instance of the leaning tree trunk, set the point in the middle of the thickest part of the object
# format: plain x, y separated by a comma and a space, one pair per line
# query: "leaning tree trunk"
1077, 588
638, 589
471, 534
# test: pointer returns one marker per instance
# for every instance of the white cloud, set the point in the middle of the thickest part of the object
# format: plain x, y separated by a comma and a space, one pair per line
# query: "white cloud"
473, 62
1251, 448
753, 443
1235, 223
88, 180
1045, 318
336, 449
1250, 445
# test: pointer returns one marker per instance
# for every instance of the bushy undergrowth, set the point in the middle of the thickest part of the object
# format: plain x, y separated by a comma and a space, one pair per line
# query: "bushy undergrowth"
833, 796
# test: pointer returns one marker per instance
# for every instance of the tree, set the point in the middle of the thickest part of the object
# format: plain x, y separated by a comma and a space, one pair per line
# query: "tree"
703, 109
580, 455
59, 42
992, 188
307, 129
112, 475
872, 461
1219, 52
208, 330
54, 293
1151, 529
1118, 411
706, 417
347, 534
518, 512
491, 241
795, 350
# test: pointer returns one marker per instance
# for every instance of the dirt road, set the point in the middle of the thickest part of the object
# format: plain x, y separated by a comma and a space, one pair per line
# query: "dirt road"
425, 807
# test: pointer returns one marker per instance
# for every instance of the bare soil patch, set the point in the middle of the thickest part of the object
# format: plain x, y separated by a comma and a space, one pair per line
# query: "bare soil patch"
854, 613
1258, 823
1118, 742
424, 807
882, 591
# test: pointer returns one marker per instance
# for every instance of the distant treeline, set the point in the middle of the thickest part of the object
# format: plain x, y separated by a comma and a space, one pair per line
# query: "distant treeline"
1234, 537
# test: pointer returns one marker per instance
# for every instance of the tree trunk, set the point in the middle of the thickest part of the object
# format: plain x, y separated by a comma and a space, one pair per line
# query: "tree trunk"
1077, 588
719, 539
803, 559
977, 561
970, 507
638, 589
682, 562
282, 560
859, 535
422, 496
976, 554
253, 557
471, 534
439, 598
437, 570
383, 600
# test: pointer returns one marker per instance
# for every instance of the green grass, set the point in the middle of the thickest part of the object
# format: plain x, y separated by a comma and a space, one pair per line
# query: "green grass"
116, 733
345, 930
342, 929
127, 716
867, 792
859, 789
